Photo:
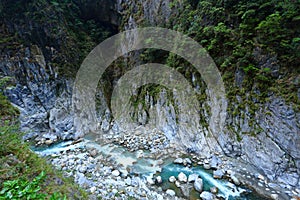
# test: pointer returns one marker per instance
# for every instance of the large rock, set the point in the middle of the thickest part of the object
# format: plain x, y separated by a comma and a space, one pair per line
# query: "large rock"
215, 162
170, 192
187, 161
234, 179
178, 161
207, 196
115, 173
192, 177
182, 177
218, 174
186, 189
172, 179
198, 184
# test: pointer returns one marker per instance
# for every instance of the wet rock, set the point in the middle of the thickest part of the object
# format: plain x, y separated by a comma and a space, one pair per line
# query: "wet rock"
170, 192
172, 179
177, 183
275, 196
82, 169
235, 179
192, 177
198, 184
49, 142
218, 174
186, 189
93, 189
214, 190
115, 173
178, 161
187, 161
158, 179
207, 196
151, 181
182, 177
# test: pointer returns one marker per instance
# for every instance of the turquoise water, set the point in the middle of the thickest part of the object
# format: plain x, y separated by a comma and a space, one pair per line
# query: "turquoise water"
225, 188
144, 167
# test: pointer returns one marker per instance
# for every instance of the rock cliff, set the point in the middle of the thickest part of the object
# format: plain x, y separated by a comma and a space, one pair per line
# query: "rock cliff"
42, 49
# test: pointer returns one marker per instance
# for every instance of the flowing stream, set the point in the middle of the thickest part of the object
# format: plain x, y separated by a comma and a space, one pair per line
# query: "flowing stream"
140, 164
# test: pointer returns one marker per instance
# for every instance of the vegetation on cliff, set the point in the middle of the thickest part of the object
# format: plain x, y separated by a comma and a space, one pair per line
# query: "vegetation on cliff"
258, 39
23, 174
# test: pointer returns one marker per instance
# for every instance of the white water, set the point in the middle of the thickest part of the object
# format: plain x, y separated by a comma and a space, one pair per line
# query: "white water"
225, 188
119, 154
63, 146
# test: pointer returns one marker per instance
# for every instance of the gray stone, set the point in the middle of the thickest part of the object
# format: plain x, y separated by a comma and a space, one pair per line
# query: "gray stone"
82, 169
177, 183
172, 179
215, 161
93, 189
186, 189
170, 192
192, 177
235, 179
214, 190
158, 179
218, 174
198, 184
187, 161
275, 196
128, 181
115, 173
182, 177
207, 196
151, 181
178, 161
